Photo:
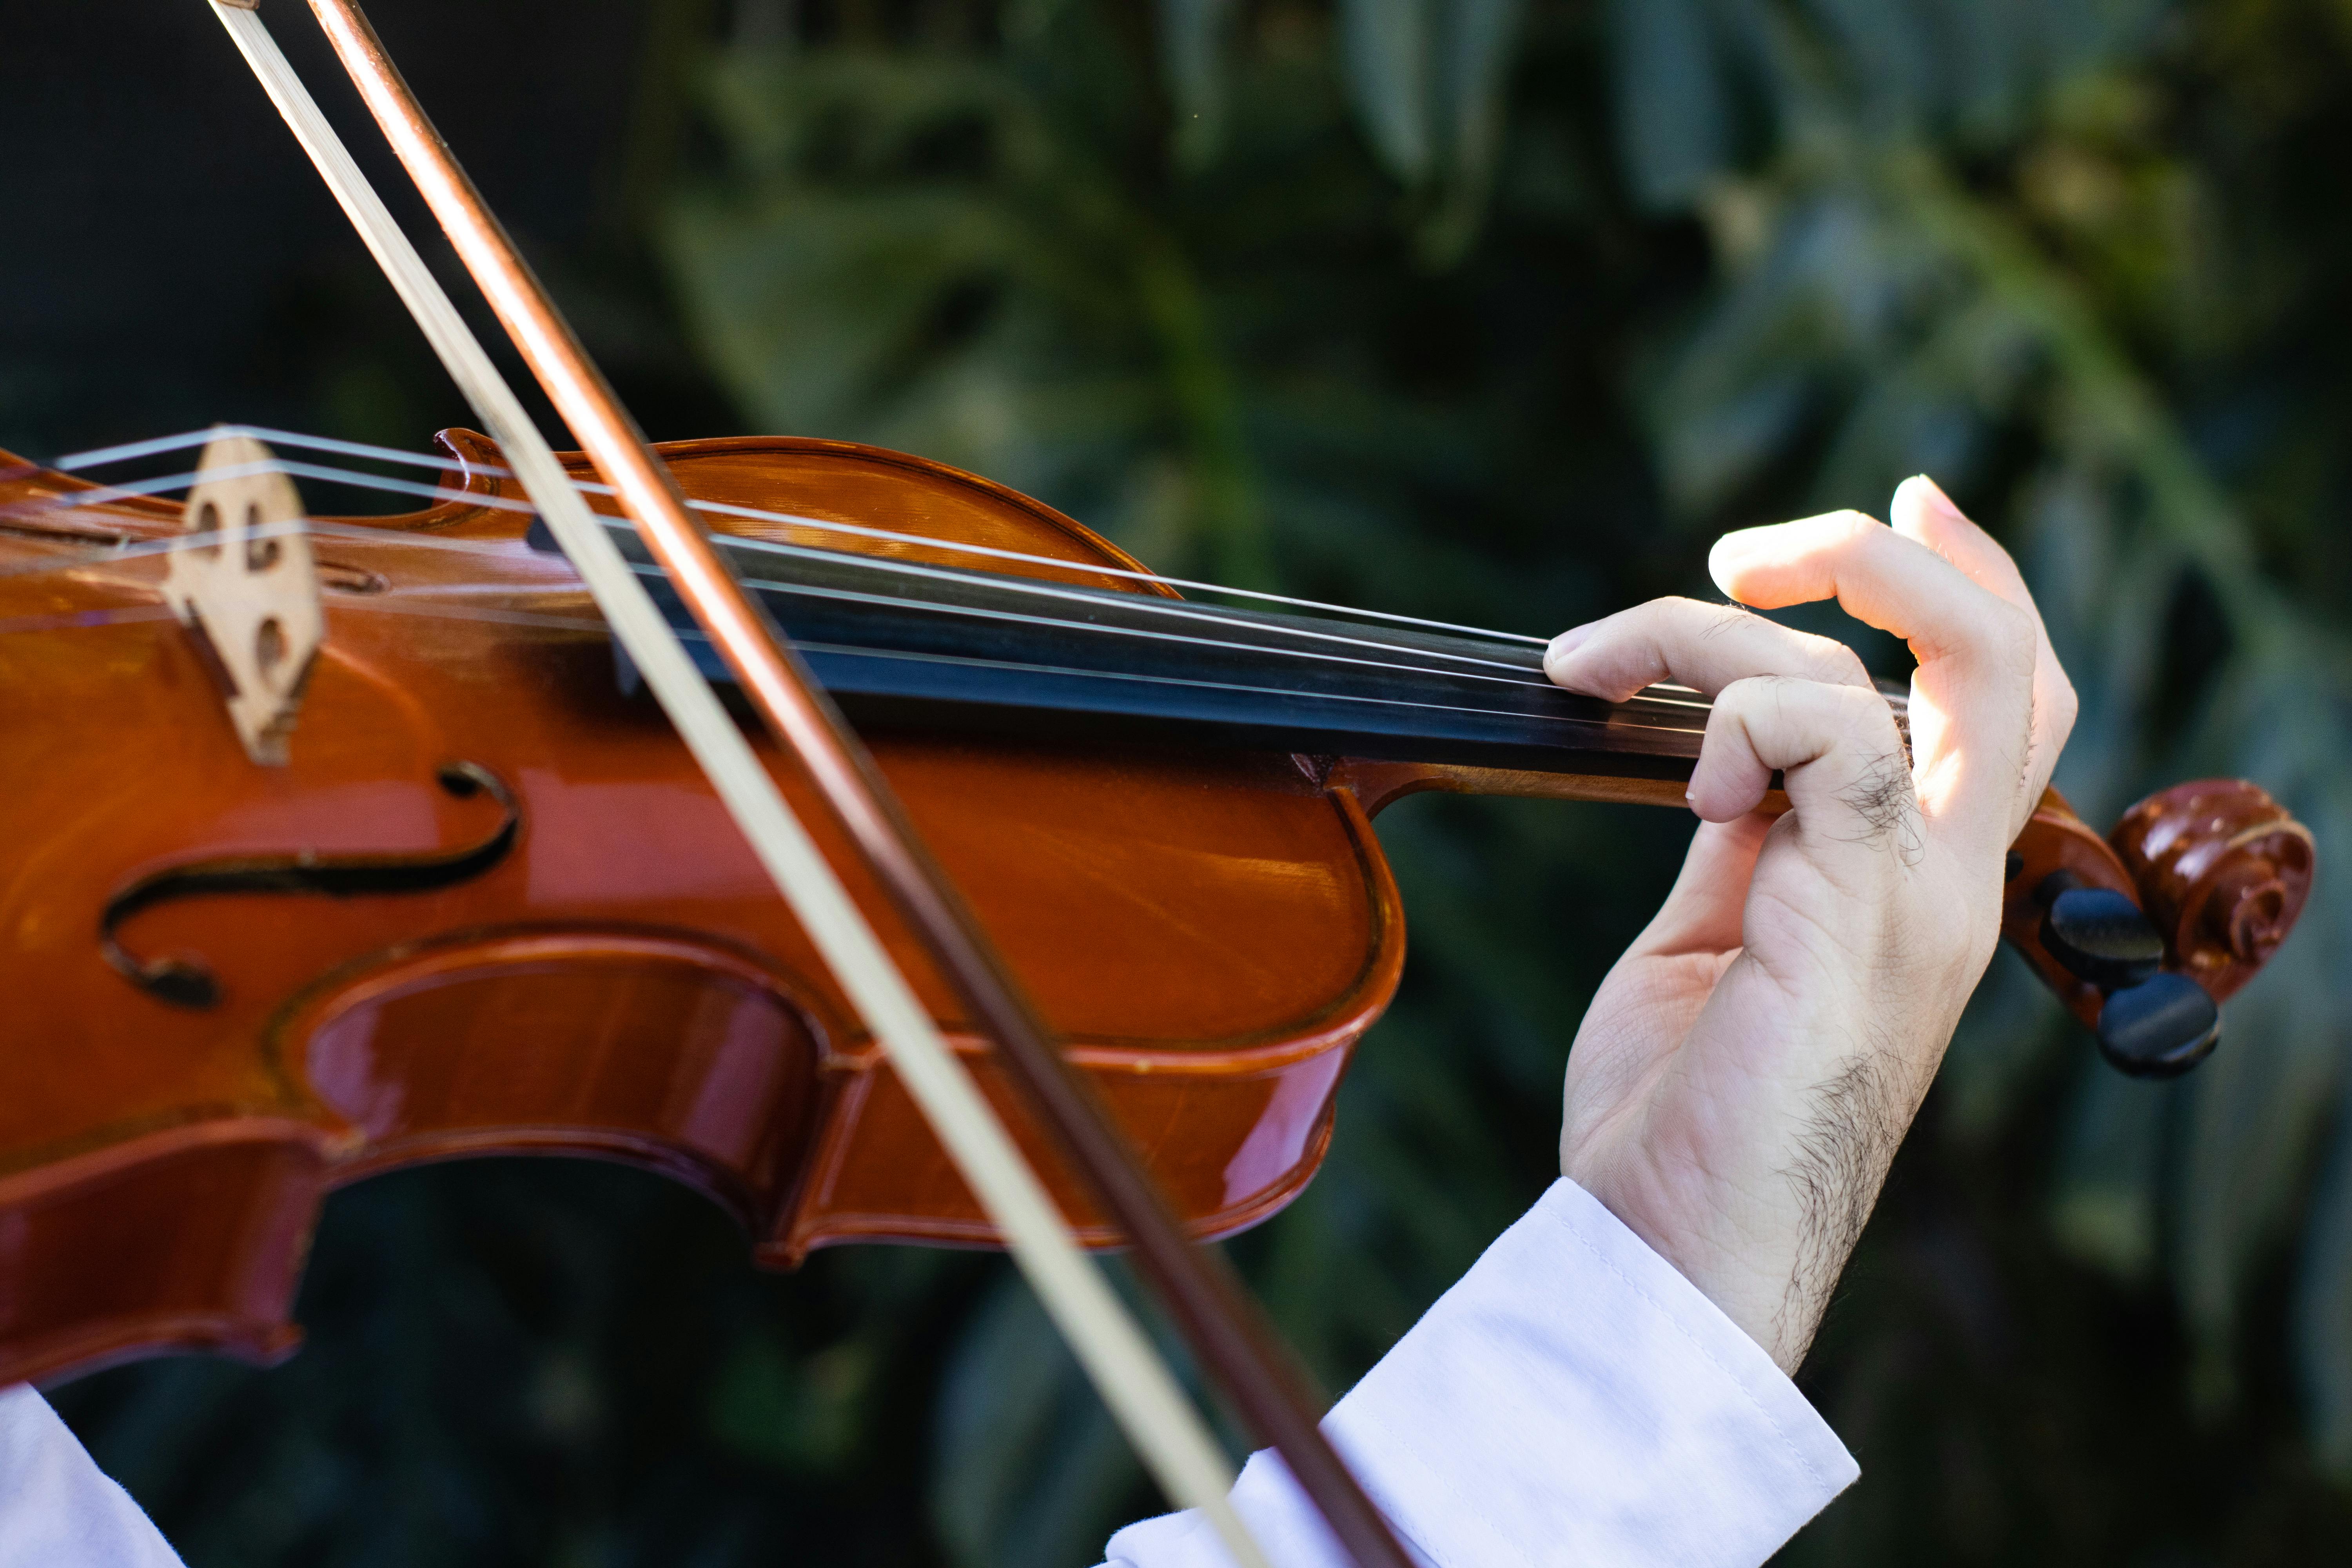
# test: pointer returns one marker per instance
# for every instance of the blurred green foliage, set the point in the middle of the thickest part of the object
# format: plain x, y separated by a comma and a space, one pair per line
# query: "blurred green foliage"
1492, 310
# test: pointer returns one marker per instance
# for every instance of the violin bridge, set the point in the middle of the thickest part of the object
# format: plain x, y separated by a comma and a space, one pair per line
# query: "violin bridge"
244, 583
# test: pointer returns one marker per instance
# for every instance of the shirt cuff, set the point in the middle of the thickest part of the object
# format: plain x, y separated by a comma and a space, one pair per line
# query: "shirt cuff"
1573, 1399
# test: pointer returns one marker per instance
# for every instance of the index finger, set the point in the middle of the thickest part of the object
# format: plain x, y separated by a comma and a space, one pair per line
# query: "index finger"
1704, 646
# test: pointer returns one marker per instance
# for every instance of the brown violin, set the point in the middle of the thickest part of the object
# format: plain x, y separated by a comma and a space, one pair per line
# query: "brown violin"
346, 843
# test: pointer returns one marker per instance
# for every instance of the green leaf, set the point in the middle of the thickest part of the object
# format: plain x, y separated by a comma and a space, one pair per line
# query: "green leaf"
1427, 78
2322, 1312
2103, 1207
2251, 1114
1030, 1470
1389, 48
1673, 107
799, 1411
1192, 40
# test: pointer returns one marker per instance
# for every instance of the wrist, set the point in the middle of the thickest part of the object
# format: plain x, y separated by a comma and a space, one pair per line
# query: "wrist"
1719, 1256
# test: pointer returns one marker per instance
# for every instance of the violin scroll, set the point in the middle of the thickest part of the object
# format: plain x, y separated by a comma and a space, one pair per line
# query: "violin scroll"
2223, 871
2144, 933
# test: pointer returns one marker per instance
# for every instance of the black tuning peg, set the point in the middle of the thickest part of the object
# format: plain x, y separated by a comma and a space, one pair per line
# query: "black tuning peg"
2152, 1023
2101, 937
2160, 1028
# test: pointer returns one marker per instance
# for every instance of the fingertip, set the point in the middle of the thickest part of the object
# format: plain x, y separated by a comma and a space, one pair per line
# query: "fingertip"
1732, 556
1722, 812
1559, 650
1776, 564
1921, 510
1712, 812
1923, 514
1716, 797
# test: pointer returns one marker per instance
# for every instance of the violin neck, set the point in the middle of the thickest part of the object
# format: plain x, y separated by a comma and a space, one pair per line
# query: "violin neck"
1383, 710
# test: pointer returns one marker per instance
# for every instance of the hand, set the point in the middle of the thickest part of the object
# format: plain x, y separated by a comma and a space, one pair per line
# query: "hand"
1747, 1071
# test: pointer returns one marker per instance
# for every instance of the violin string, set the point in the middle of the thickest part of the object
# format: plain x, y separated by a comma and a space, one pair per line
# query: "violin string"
1663, 695
358, 449
407, 602
404, 601
131, 550
138, 490
887, 601
99, 456
131, 451
964, 660
163, 444
1142, 604
104, 494
1137, 603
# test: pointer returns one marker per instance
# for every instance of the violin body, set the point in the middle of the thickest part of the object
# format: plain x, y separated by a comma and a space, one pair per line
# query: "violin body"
489, 905
1210, 933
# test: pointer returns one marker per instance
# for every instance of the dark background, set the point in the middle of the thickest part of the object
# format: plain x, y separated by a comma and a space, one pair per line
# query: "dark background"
1487, 311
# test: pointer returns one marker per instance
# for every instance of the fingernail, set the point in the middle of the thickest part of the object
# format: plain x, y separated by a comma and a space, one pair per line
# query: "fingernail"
1567, 643
1740, 542
1937, 499
1731, 552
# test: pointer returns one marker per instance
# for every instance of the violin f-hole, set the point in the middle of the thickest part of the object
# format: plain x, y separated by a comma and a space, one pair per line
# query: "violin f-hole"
182, 981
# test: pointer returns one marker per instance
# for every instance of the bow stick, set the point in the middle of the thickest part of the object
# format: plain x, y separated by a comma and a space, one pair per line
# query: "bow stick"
1200, 1291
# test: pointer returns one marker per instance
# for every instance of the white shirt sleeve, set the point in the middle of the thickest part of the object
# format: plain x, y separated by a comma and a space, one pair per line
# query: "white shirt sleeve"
58, 1510
1573, 1399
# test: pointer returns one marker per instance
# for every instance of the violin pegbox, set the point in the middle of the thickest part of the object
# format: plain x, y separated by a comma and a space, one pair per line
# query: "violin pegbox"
244, 583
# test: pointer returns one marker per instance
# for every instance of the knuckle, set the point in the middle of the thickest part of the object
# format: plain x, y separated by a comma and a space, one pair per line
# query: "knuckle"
1747, 709
2064, 708
1866, 712
1961, 948
1716, 620
2011, 637
1835, 664
1751, 692
1855, 527
1671, 617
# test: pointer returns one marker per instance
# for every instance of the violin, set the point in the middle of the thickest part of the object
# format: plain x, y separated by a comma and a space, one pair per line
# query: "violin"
347, 844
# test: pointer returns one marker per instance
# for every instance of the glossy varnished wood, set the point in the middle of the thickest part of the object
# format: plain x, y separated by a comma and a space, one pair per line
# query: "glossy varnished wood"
2225, 872
1210, 935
